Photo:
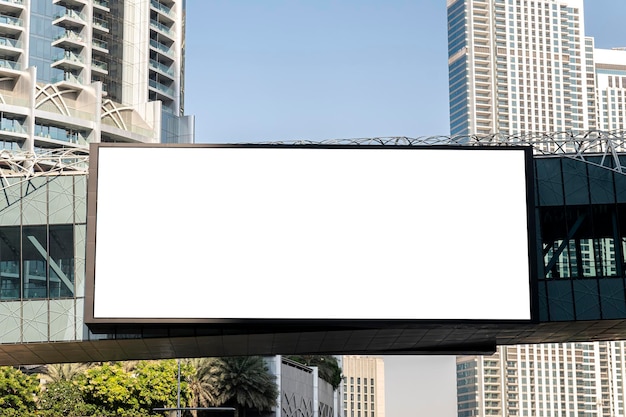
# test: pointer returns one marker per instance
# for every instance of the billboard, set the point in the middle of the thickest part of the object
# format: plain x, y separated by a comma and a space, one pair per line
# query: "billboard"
210, 233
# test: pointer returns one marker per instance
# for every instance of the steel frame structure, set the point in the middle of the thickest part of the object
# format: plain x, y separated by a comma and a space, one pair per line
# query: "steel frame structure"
580, 146
605, 147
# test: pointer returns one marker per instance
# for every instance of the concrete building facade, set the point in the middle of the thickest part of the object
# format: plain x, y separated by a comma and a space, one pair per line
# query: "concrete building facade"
520, 67
363, 386
568, 379
74, 72
302, 393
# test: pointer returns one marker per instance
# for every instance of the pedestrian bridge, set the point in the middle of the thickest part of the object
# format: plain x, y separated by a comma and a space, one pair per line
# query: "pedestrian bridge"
579, 291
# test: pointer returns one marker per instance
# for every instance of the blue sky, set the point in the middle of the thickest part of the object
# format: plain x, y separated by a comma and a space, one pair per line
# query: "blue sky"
261, 70
270, 70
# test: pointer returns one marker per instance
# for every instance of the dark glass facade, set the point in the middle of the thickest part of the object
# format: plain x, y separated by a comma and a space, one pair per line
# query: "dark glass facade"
41, 251
581, 219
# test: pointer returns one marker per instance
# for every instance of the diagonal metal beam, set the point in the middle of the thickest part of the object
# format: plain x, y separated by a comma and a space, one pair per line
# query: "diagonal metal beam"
53, 264
559, 250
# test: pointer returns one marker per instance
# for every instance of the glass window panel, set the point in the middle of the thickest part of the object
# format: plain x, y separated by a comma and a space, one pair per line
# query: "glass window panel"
34, 265
553, 225
612, 298
601, 185
80, 202
587, 299
34, 201
11, 323
61, 262
620, 188
621, 233
543, 301
560, 300
10, 284
575, 181
35, 321
10, 207
61, 196
62, 320
80, 232
549, 181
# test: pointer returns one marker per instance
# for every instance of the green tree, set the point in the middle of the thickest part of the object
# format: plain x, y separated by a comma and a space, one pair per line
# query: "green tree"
132, 390
110, 389
244, 382
327, 367
63, 398
18, 392
157, 384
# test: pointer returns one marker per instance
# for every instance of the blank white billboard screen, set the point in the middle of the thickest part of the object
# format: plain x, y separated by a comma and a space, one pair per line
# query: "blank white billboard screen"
311, 233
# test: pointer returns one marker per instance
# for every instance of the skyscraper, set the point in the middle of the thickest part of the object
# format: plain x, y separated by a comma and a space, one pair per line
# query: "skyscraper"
79, 71
611, 88
73, 72
363, 386
568, 379
518, 67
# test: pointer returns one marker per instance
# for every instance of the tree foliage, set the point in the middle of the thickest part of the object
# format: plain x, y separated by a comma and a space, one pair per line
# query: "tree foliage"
201, 381
64, 371
327, 365
114, 390
134, 389
110, 389
64, 398
157, 384
18, 392
244, 382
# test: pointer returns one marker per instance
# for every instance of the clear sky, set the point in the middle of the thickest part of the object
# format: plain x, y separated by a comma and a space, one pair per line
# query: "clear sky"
271, 70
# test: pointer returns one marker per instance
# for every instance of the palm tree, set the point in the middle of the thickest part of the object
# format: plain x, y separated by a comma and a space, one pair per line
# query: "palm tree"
244, 382
64, 371
202, 382
327, 367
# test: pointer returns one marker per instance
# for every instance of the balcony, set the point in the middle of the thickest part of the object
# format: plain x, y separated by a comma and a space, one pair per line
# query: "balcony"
69, 39
167, 11
70, 19
161, 28
60, 134
11, 6
162, 89
163, 49
68, 77
10, 64
100, 24
10, 48
102, 4
164, 69
12, 127
99, 66
100, 45
11, 24
70, 3
68, 59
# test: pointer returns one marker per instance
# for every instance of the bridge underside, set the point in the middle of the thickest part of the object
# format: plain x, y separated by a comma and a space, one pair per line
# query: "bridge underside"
406, 339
